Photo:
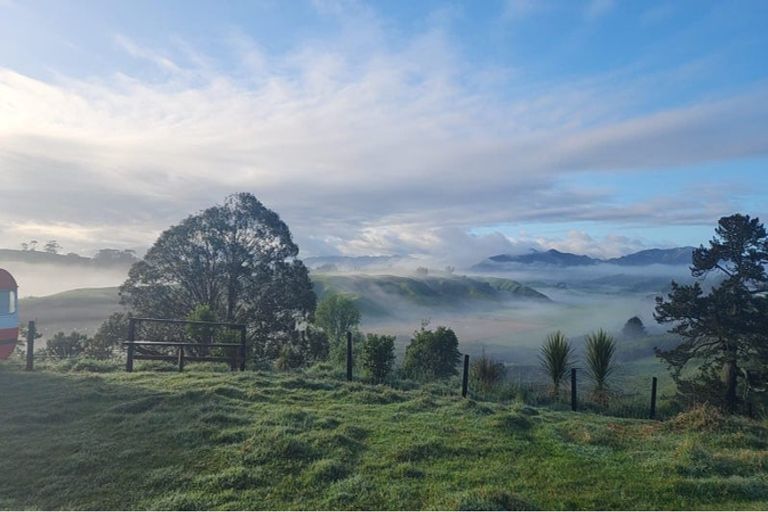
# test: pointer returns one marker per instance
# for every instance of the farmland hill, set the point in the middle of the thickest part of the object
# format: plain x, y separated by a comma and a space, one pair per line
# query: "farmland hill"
383, 295
208, 440
80, 310
552, 257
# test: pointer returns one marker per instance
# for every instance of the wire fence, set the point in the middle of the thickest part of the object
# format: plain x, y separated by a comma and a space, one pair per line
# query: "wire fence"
625, 397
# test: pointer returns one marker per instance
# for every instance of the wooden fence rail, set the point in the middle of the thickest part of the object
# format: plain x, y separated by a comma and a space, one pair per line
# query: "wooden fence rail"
236, 360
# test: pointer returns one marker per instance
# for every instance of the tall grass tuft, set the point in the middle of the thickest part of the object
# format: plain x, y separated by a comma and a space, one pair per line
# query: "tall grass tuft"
486, 372
600, 352
556, 358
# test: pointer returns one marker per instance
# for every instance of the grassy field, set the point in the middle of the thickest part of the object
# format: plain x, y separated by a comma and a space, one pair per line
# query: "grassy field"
261, 440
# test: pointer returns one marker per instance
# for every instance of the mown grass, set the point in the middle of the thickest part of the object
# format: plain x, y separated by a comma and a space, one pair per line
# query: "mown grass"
74, 439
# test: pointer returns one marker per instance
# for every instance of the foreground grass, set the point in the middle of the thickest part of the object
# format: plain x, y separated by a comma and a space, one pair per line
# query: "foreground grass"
259, 440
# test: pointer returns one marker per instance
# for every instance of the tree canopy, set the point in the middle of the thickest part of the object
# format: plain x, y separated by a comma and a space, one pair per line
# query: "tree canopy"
335, 315
432, 354
236, 258
634, 328
725, 329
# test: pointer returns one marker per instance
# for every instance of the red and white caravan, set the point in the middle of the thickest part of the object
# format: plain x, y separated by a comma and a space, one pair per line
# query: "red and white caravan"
9, 314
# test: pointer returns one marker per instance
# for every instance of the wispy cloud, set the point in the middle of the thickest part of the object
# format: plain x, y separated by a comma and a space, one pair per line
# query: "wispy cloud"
381, 149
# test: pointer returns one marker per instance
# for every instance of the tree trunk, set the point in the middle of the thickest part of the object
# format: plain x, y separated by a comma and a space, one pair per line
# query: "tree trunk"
730, 375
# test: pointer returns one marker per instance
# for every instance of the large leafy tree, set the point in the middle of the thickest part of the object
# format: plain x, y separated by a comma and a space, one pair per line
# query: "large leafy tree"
236, 258
724, 331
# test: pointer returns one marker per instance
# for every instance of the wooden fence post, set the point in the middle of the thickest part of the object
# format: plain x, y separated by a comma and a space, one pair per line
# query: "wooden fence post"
349, 356
30, 346
574, 405
465, 377
131, 339
181, 359
242, 349
653, 398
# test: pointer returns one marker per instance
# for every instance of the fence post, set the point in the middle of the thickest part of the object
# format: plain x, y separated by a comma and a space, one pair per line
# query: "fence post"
242, 349
465, 377
574, 405
131, 339
349, 356
653, 398
31, 346
181, 359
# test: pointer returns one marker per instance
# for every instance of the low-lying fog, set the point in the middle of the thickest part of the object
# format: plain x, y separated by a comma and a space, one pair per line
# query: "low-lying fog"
584, 299
37, 280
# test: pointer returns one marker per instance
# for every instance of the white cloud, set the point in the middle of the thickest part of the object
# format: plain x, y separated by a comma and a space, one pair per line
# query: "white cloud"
371, 150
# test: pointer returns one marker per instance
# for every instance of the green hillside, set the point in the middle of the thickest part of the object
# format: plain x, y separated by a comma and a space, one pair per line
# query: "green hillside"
82, 310
382, 295
261, 440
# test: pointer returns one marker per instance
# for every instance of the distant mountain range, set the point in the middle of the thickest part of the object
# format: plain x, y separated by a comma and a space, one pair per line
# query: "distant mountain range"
553, 257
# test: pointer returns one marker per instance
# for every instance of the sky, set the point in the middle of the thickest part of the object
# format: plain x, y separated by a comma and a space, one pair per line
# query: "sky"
444, 130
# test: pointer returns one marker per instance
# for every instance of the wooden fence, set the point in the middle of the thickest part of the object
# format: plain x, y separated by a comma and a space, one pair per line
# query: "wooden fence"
185, 351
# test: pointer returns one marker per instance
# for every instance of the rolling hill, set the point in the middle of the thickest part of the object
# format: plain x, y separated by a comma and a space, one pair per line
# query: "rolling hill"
384, 295
552, 257
80, 310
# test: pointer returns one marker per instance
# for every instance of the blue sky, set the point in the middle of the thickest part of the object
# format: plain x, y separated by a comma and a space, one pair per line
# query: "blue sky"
448, 130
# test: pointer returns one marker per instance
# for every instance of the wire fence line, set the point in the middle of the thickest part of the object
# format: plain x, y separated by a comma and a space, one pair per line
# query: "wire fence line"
624, 398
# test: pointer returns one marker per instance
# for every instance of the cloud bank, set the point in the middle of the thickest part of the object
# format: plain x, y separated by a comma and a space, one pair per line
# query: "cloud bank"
362, 146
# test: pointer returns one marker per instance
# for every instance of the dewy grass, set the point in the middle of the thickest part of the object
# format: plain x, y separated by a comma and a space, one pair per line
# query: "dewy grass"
261, 440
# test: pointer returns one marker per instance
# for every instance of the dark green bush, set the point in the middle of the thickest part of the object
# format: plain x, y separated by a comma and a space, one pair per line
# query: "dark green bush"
66, 346
432, 354
378, 356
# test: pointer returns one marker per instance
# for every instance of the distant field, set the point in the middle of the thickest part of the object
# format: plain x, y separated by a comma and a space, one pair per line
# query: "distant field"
82, 310
263, 440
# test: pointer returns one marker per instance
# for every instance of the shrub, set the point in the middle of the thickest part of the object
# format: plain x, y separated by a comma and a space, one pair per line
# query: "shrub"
378, 356
316, 345
432, 354
200, 333
336, 315
556, 358
65, 346
600, 352
486, 372
108, 337
303, 349
289, 358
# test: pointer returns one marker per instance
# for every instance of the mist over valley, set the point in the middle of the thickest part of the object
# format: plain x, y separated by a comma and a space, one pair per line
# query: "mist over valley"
503, 310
